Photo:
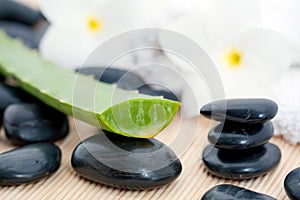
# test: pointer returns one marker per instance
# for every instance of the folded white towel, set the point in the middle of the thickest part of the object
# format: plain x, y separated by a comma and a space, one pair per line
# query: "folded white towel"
287, 94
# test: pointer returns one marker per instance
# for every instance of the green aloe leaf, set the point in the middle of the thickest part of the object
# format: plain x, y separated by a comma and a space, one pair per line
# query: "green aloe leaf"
124, 112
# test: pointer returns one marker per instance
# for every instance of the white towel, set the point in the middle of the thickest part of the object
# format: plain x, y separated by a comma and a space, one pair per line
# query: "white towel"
287, 95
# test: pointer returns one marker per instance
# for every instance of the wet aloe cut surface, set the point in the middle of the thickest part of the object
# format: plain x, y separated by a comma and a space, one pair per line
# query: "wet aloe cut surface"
124, 112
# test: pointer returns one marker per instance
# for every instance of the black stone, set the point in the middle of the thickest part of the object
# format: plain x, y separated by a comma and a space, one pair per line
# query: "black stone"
18, 12
231, 192
240, 136
29, 163
2, 78
167, 94
30, 123
292, 184
25, 33
124, 79
241, 164
40, 32
10, 95
241, 110
126, 162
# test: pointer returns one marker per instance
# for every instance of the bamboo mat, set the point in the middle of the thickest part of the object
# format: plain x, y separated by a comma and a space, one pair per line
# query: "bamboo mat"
192, 183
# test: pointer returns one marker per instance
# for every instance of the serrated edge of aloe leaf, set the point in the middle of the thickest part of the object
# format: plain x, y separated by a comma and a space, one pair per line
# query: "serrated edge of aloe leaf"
12, 64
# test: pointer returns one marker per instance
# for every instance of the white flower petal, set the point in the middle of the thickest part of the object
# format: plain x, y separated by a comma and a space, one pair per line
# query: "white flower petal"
64, 48
223, 20
131, 14
67, 14
160, 13
70, 49
191, 27
269, 51
216, 24
266, 55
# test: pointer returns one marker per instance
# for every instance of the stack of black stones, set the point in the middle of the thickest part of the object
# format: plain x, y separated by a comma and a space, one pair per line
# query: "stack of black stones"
239, 146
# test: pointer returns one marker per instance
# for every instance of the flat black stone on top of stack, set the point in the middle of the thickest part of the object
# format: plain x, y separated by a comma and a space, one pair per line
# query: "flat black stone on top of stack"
239, 146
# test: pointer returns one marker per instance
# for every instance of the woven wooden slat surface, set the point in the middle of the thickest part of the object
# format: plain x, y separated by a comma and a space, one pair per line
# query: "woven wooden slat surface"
188, 144
192, 184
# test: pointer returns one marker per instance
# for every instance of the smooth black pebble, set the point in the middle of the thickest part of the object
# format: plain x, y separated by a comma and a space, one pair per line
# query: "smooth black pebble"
126, 162
29, 163
247, 111
292, 184
25, 33
18, 12
240, 136
10, 95
30, 123
167, 94
124, 79
2, 78
231, 192
241, 164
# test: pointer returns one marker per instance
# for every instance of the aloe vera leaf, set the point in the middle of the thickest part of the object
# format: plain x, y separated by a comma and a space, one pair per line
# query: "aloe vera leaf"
120, 111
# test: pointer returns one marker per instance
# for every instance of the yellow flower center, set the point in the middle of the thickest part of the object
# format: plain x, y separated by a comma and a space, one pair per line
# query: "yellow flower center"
94, 24
233, 58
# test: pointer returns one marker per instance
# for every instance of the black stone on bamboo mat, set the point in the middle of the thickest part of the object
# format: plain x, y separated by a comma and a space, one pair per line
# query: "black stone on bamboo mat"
231, 192
240, 136
241, 164
31, 123
29, 163
125, 162
292, 184
18, 12
248, 111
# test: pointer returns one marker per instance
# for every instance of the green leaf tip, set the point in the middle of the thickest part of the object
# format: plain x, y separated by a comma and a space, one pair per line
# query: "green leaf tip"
118, 111
141, 118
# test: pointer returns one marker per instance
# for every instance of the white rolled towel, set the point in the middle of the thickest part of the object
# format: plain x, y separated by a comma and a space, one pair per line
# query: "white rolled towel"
287, 95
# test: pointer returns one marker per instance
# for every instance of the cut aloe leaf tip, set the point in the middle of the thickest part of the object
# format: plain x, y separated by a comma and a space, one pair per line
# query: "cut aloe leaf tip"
120, 111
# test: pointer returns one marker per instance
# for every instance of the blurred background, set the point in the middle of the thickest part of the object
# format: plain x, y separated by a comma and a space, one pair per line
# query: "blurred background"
254, 45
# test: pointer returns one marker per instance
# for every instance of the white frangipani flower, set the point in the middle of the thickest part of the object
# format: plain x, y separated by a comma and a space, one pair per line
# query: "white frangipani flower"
79, 26
248, 56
